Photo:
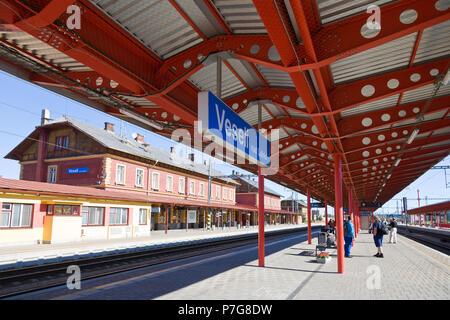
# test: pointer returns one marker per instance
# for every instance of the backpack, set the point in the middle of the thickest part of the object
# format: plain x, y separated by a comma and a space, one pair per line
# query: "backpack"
347, 228
383, 229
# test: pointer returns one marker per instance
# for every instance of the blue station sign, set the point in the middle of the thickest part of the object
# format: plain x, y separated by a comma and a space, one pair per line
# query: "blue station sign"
228, 128
77, 170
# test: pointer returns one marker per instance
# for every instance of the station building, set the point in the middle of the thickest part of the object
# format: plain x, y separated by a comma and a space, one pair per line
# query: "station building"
138, 188
247, 194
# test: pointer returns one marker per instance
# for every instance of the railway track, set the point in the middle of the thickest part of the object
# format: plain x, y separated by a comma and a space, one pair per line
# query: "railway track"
24, 280
439, 242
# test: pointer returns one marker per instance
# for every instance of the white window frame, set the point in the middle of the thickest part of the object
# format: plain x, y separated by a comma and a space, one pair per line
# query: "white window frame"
201, 189
52, 176
11, 212
224, 194
142, 211
192, 187
123, 174
142, 178
157, 181
217, 192
122, 211
87, 211
231, 194
181, 186
169, 186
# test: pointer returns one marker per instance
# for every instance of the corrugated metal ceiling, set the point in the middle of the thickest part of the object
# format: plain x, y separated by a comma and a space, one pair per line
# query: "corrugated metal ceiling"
387, 57
43, 51
241, 16
335, 10
156, 23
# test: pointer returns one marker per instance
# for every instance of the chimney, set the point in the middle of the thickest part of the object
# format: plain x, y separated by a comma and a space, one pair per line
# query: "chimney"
139, 138
109, 127
191, 157
45, 116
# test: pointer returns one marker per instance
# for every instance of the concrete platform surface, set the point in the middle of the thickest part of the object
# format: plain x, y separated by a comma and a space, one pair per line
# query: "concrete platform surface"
409, 270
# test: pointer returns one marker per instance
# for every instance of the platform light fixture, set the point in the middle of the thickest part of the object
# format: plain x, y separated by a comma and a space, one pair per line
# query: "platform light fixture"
140, 118
397, 162
412, 136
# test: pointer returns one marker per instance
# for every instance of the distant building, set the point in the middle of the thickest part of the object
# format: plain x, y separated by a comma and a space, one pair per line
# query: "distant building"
247, 194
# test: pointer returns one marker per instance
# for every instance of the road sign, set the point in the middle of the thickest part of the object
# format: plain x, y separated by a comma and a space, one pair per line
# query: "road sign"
317, 205
228, 128
371, 204
77, 170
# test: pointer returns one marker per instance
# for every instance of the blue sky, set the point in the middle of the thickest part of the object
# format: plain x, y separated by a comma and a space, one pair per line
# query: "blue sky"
21, 104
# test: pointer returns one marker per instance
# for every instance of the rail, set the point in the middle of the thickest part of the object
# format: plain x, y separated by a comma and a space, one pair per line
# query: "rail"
19, 281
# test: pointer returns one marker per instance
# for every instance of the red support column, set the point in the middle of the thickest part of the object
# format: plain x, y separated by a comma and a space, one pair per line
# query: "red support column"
309, 215
338, 211
261, 218
326, 213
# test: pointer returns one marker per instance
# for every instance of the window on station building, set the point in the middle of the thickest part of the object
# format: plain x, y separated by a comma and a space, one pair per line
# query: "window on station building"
118, 216
139, 177
181, 186
217, 193
225, 194
62, 142
92, 216
64, 210
155, 181
51, 175
169, 184
142, 216
192, 187
16, 215
120, 174
201, 190
231, 195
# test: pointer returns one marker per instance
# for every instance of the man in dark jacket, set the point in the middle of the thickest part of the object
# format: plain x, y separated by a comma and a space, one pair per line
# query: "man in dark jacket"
393, 231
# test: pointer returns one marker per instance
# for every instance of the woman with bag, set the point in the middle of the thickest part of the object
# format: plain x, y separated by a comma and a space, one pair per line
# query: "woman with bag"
378, 236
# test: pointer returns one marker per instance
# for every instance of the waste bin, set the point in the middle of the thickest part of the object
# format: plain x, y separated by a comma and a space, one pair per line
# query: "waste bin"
322, 238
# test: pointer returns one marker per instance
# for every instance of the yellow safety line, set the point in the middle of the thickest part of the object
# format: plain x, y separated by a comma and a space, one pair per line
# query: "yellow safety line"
423, 252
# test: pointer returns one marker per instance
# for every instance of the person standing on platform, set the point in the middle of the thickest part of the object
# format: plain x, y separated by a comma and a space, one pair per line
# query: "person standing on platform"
378, 236
349, 235
393, 231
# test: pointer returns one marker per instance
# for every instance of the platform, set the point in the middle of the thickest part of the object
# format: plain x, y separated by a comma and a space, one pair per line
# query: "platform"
409, 271
25, 255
